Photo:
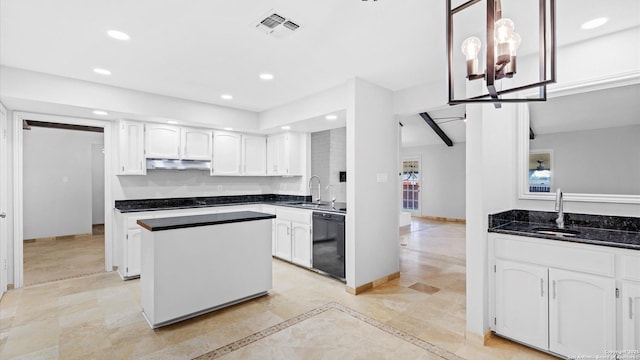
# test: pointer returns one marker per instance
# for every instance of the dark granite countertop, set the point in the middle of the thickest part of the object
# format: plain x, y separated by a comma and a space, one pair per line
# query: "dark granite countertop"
296, 201
181, 222
614, 231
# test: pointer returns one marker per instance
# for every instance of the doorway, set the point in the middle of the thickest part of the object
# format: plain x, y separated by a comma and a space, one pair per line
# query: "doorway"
4, 233
60, 233
411, 181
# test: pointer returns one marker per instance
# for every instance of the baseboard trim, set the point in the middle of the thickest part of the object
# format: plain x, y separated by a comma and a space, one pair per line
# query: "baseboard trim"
478, 339
370, 285
445, 219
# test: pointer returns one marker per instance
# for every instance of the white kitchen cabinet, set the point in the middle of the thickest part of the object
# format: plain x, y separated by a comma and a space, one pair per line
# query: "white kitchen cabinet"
630, 316
196, 143
285, 154
581, 313
254, 155
162, 141
131, 148
521, 302
271, 210
227, 151
131, 264
293, 236
301, 244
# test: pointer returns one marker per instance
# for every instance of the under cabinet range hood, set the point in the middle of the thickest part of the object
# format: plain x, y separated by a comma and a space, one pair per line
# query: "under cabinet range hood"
171, 164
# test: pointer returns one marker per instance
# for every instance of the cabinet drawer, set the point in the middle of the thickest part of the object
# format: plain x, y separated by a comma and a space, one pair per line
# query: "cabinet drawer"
299, 216
630, 267
558, 254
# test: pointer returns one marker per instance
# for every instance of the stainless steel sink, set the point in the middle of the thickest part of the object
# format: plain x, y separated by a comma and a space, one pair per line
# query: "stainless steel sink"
309, 205
556, 231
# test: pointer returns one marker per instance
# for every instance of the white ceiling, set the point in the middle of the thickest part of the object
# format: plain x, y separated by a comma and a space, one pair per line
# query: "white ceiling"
200, 49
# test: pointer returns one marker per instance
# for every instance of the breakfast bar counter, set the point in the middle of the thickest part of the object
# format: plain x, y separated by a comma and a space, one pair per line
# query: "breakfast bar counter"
192, 265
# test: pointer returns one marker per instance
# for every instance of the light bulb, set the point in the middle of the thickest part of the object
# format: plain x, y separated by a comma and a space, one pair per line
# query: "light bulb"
503, 30
514, 43
470, 47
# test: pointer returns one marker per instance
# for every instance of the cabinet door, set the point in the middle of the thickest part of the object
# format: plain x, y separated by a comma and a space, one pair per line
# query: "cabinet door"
132, 255
521, 302
630, 316
283, 239
581, 313
254, 155
276, 155
295, 153
301, 244
196, 144
226, 153
131, 148
162, 141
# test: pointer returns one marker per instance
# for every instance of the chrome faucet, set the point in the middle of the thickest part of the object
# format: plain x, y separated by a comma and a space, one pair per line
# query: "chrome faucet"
560, 219
319, 187
332, 195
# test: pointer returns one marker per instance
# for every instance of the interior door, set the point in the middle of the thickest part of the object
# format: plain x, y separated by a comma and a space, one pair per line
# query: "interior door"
411, 181
3, 200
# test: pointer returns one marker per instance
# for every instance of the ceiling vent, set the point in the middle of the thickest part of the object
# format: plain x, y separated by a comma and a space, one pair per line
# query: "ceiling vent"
276, 25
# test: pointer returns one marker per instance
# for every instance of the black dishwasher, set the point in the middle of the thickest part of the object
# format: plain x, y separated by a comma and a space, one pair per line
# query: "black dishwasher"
328, 244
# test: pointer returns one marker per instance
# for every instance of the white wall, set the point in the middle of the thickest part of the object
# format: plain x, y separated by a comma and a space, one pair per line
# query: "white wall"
97, 183
372, 186
611, 167
57, 182
442, 179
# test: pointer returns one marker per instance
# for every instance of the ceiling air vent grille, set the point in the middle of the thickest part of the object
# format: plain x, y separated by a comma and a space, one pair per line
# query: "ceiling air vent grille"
276, 25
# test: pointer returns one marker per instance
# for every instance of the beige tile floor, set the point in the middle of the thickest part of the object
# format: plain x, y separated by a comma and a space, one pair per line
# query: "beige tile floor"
63, 257
99, 316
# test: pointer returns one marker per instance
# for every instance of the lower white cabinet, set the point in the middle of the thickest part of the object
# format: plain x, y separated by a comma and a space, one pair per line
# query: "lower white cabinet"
557, 296
132, 254
630, 315
293, 240
581, 313
521, 302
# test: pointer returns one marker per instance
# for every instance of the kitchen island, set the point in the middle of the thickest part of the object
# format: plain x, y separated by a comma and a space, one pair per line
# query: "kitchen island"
192, 265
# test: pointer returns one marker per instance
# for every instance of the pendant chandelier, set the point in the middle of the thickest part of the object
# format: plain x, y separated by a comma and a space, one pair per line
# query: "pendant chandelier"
500, 53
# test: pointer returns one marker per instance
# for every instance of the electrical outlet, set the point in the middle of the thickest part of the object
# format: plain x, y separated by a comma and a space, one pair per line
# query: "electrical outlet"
219, 188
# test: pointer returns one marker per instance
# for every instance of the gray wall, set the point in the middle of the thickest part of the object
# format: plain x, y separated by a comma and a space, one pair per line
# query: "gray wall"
442, 179
328, 158
602, 161
58, 182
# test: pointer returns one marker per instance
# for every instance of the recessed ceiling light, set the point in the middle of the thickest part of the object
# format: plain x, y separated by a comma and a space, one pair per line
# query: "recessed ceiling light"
285, 127
266, 76
100, 112
228, 128
331, 117
173, 122
102, 71
226, 96
594, 23
118, 35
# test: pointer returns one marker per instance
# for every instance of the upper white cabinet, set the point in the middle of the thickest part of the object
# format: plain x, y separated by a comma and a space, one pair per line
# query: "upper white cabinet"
196, 143
162, 141
285, 154
254, 155
227, 151
131, 148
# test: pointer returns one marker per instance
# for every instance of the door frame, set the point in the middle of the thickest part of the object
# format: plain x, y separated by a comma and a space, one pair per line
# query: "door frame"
18, 155
419, 160
4, 228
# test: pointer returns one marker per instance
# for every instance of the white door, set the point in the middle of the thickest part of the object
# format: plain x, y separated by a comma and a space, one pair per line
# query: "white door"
254, 155
3, 200
630, 316
301, 244
521, 301
283, 239
196, 144
226, 153
131, 148
132, 257
581, 313
411, 181
162, 141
